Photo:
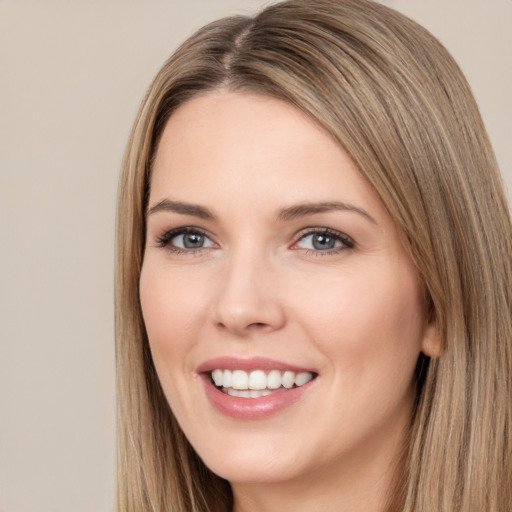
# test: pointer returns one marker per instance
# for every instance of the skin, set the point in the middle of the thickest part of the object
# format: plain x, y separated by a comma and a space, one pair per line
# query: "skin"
259, 287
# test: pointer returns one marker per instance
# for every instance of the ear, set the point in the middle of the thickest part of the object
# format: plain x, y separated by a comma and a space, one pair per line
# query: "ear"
432, 345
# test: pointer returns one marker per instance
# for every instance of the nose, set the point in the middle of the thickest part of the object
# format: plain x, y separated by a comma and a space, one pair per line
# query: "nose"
247, 299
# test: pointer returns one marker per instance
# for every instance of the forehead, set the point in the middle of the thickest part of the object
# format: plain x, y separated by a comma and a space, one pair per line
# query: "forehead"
224, 143
240, 129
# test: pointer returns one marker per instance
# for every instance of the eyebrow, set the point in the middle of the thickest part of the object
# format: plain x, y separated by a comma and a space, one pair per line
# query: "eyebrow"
306, 209
166, 205
289, 213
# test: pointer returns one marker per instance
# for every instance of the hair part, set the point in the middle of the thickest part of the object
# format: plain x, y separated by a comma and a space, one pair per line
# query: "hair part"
393, 97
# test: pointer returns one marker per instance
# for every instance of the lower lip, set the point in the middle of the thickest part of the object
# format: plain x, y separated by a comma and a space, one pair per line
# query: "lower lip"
252, 408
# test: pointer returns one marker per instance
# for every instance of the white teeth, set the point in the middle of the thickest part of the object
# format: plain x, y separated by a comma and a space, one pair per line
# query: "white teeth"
257, 380
242, 393
217, 376
227, 379
274, 379
257, 394
288, 379
257, 383
303, 378
240, 380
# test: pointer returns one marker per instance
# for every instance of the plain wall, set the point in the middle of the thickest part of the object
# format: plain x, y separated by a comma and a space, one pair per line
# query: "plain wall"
72, 75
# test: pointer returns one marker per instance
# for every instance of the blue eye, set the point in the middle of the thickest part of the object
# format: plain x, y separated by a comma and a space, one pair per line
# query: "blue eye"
184, 239
325, 240
189, 241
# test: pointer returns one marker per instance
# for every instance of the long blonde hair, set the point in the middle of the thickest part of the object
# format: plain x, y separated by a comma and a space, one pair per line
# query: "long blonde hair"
393, 97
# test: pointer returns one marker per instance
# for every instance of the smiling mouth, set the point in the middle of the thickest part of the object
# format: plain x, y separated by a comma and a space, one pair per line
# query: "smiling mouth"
258, 383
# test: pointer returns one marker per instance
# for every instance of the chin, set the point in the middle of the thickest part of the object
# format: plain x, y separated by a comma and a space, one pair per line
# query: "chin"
251, 460
253, 472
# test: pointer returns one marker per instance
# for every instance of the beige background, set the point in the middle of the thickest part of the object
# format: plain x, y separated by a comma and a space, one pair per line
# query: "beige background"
72, 75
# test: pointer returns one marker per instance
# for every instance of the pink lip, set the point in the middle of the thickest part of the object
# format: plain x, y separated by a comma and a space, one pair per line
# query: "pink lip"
248, 365
250, 408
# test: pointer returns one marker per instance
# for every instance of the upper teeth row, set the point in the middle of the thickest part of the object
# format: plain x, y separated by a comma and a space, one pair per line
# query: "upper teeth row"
258, 379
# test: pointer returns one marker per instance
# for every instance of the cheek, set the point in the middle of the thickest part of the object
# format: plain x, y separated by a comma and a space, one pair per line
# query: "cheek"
369, 324
173, 316
171, 310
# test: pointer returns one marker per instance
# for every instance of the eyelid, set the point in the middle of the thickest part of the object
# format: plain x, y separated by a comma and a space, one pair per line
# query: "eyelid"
347, 242
163, 241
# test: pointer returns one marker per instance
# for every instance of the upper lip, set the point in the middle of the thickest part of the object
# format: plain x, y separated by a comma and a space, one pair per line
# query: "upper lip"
248, 364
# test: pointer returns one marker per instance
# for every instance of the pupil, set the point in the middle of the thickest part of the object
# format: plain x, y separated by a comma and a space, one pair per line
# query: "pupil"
193, 240
323, 242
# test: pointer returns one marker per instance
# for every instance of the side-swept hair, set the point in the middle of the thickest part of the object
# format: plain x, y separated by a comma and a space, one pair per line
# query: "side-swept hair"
396, 101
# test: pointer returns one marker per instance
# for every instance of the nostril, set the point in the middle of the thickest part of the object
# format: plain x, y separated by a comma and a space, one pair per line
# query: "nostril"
257, 324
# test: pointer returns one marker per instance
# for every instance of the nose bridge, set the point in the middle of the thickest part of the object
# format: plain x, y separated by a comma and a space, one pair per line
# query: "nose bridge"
247, 297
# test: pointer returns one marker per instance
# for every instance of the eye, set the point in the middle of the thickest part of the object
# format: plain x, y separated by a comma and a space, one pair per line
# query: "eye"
324, 240
184, 240
190, 241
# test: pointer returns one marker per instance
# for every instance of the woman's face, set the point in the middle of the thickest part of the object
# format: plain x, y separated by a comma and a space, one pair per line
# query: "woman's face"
273, 265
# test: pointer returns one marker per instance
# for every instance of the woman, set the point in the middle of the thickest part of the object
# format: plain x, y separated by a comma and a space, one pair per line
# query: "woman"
314, 274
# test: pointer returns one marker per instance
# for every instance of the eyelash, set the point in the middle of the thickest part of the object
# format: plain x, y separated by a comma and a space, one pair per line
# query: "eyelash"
164, 241
338, 236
